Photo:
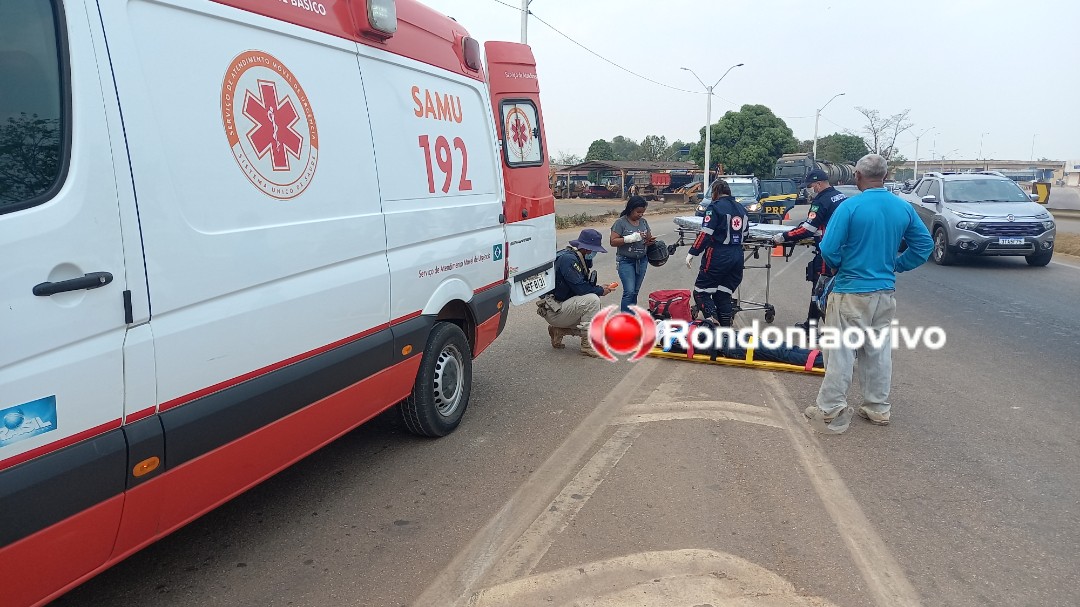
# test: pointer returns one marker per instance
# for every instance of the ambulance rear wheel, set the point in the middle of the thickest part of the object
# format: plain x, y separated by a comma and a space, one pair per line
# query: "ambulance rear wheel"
443, 383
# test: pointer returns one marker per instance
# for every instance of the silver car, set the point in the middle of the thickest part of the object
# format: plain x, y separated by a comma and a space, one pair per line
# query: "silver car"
982, 213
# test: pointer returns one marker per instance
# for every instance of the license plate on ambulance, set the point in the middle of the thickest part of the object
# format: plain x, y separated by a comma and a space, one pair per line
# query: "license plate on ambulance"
536, 283
1008, 241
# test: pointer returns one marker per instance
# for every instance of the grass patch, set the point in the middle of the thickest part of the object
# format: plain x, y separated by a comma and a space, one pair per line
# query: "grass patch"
1067, 243
581, 219
587, 219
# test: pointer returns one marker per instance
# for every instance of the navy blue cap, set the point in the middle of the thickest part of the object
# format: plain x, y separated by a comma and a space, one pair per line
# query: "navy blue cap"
815, 175
590, 240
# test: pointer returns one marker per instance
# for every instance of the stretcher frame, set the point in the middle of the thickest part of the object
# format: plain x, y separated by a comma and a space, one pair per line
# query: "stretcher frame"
751, 249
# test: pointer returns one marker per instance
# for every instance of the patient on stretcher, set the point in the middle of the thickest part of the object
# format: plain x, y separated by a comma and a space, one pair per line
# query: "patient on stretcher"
678, 337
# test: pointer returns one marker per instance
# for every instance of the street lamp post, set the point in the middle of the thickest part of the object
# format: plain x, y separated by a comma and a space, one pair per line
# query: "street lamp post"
981, 143
525, 21
915, 175
817, 117
949, 153
708, 119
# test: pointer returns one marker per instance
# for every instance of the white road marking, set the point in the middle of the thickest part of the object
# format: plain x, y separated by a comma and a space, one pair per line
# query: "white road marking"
458, 581
673, 578
711, 409
531, 547
884, 577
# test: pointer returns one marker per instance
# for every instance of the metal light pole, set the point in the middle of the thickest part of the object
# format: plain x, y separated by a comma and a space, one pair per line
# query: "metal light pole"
817, 117
981, 143
525, 21
1033, 147
949, 153
915, 175
708, 119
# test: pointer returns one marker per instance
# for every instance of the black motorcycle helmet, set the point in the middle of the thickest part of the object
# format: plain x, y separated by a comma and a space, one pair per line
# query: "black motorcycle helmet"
657, 253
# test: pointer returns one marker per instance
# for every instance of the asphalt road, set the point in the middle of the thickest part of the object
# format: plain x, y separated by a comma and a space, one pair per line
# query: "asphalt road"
1062, 197
576, 481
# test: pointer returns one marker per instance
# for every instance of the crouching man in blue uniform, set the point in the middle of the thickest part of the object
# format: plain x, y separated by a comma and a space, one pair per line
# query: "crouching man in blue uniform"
720, 244
576, 298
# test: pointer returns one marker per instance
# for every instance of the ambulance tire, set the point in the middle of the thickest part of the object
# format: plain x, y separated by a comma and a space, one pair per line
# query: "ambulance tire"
443, 383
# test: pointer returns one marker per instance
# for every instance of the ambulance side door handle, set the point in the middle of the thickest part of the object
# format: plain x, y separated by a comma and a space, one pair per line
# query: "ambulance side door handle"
93, 280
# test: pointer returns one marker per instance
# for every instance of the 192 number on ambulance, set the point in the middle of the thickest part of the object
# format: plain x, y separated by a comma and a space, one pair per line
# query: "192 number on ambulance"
445, 159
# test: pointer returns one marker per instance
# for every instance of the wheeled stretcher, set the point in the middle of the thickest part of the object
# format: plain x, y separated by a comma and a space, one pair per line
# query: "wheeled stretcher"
759, 238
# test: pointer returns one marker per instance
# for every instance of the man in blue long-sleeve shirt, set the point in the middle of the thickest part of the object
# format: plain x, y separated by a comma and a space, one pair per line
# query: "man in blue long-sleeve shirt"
861, 244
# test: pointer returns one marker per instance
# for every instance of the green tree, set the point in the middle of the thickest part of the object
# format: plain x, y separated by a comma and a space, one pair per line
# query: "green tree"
841, 147
747, 141
654, 147
625, 148
600, 150
674, 151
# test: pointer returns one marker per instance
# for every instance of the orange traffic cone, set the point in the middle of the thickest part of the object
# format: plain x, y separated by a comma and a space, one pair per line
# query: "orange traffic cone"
778, 251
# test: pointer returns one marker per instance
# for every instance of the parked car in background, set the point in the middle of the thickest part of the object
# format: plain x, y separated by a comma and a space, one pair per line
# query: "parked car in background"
746, 189
598, 191
983, 213
847, 190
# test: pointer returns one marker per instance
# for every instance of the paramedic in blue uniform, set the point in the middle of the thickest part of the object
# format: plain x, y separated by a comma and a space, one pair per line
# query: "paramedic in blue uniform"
823, 202
576, 298
720, 244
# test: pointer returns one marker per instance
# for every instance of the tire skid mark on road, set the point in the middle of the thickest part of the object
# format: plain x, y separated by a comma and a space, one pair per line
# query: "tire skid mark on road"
459, 580
884, 577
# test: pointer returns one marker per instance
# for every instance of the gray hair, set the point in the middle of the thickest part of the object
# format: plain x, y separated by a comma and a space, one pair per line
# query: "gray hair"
873, 166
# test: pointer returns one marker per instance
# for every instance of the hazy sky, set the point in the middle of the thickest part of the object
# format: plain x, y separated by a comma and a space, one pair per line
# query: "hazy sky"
1007, 69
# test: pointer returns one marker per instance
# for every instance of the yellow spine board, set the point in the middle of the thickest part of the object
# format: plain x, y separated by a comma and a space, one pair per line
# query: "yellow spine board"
737, 362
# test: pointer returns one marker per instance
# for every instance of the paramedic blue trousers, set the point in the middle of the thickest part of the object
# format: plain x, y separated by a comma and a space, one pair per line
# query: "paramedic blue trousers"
720, 275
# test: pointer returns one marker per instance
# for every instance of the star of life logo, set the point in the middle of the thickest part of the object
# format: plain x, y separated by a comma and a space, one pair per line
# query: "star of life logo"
519, 135
269, 124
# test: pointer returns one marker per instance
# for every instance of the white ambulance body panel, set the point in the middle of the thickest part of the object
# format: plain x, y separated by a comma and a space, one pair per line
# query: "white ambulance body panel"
240, 279
61, 368
440, 182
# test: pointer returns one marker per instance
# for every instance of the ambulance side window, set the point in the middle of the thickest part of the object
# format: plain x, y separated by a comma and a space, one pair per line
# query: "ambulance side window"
521, 133
32, 128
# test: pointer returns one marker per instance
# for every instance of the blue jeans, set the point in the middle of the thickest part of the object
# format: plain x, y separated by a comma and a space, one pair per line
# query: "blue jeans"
631, 274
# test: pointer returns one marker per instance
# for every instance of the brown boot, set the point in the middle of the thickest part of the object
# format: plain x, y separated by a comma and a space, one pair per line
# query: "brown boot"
557, 336
587, 348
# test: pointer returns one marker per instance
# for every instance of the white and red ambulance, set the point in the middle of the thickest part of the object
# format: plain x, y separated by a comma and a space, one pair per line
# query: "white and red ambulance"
230, 232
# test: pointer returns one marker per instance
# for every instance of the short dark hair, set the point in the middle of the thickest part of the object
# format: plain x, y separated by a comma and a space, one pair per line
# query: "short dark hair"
633, 203
719, 188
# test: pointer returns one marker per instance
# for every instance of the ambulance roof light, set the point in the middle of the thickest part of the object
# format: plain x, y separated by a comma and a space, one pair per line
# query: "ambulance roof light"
470, 50
382, 17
